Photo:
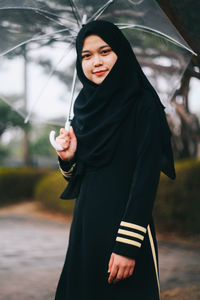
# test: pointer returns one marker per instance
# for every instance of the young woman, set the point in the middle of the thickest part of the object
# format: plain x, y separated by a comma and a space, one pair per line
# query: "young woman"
117, 145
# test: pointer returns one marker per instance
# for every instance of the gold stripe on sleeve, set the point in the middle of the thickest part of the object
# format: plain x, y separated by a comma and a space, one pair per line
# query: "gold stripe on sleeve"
130, 233
134, 226
154, 257
66, 174
127, 241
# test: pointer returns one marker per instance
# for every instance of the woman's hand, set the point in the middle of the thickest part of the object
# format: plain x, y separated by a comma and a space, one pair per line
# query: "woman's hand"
68, 141
120, 267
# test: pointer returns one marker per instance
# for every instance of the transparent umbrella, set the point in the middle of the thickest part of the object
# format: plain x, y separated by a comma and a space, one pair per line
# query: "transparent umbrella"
38, 55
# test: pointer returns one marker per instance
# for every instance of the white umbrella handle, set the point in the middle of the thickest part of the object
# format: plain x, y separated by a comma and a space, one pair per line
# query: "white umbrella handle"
52, 137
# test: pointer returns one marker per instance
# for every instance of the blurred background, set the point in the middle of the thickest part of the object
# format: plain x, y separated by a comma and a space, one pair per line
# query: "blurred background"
34, 222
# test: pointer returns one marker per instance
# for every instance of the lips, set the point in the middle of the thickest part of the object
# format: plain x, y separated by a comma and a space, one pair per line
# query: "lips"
100, 72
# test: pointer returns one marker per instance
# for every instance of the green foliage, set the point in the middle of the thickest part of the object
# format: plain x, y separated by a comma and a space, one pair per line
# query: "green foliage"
17, 184
9, 118
40, 144
177, 206
3, 153
48, 192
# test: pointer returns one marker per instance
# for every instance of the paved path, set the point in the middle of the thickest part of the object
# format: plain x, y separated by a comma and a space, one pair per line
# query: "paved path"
179, 265
31, 256
32, 253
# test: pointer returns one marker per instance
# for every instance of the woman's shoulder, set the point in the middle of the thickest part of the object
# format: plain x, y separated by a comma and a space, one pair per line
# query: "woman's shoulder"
148, 104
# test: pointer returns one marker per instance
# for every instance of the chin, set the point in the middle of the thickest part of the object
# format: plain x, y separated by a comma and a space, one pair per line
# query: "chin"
99, 80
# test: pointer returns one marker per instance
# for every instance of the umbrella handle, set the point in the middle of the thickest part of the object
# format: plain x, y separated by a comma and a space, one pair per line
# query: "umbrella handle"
52, 137
53, 141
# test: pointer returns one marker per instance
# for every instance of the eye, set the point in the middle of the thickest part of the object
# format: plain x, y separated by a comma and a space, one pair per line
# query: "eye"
87, 55
106, 51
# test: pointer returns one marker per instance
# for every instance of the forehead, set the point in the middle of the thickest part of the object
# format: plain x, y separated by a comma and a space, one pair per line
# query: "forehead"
93, 42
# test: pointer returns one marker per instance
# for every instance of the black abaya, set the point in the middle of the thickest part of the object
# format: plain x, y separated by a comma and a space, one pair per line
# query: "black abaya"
114, 203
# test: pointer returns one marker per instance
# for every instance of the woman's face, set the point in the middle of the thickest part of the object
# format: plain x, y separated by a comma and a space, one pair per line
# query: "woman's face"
97, 58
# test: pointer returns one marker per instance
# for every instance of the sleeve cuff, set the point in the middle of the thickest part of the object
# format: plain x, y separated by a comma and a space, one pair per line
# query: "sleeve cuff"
66, 167
129, 239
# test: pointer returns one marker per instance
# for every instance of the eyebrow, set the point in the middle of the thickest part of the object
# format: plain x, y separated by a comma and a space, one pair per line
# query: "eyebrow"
104, 46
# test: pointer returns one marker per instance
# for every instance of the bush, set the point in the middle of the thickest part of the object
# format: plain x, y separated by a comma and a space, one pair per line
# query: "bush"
17, 184
177, 205
48, 191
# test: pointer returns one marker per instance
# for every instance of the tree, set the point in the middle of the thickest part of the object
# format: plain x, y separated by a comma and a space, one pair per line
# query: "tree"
9, 119
185, 16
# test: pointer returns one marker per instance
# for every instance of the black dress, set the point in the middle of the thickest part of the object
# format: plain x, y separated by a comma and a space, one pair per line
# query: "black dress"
113, 213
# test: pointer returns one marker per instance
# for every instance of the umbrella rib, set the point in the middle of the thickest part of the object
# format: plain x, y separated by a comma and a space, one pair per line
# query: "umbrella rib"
99, 12
75, 12
30, 8
42, 12
52, 33
157, 32
72, 94
44, 87
16, 109
35, 39
51, 19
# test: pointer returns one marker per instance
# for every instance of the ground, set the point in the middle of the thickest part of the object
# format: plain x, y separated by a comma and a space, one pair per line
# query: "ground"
33, 247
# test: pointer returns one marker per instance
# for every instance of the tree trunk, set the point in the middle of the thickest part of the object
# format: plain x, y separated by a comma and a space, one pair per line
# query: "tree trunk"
187, 143
26, 152
26, 147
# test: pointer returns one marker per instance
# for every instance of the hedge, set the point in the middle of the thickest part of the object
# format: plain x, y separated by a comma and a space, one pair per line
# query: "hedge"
48, 191
17, 184
177, 205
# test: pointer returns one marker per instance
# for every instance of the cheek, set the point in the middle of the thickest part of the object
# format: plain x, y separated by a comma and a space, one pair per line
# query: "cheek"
111, 60
86, 66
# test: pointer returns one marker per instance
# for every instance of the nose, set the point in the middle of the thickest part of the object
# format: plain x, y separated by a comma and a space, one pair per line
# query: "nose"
97, 61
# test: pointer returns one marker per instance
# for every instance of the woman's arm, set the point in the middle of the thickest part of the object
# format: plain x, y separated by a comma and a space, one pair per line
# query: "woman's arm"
67, 167
138, 211
67, 157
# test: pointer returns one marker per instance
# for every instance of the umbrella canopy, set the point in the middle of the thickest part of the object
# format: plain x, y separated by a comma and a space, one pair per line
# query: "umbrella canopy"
38, 55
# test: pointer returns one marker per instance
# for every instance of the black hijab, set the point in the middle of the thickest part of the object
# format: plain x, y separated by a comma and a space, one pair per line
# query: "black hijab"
100, 110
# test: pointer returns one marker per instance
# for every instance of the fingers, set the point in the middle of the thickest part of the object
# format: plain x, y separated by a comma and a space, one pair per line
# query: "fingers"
62, 130
67, 135
126, 272
63, 139
73, 140
120, 267
113, 273
63, 133
71, 133
64, 142
119, 275
110, 263
131, 271
67, 140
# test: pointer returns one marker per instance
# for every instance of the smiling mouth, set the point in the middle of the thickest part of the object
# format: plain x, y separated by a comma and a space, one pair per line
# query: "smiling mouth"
100, 73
